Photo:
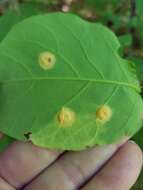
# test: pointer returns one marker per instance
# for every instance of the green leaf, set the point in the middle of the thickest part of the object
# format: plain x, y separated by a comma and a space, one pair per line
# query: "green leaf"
139, 66
139, 5
12, 17
7, 21
126, 40
64, 86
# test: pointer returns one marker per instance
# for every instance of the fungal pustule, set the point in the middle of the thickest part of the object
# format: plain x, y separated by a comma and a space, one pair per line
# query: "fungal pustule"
103, 113
66, 117
47, 60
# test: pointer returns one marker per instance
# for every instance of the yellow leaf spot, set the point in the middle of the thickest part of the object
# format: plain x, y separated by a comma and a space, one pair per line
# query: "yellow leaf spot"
103, 113
66, 117
47, 60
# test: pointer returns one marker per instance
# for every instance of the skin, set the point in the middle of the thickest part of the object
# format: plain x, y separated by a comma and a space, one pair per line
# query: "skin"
25, 166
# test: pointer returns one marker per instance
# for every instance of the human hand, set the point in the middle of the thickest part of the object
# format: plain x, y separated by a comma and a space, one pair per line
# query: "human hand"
25, 166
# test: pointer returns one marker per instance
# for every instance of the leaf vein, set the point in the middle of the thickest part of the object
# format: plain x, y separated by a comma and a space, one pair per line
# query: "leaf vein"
18, 62
85, 53
110, 82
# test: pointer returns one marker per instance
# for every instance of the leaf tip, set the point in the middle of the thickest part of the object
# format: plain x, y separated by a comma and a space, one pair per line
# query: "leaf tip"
47, 60
66, 117
103, 113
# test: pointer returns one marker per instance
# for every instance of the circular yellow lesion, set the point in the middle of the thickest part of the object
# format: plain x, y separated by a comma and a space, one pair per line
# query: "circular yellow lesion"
47, 60
103, 113
66, 117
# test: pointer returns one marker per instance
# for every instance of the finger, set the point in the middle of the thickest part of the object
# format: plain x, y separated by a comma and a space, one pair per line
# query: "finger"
72, 169
21, 162
1, 135
121, 171
5, 186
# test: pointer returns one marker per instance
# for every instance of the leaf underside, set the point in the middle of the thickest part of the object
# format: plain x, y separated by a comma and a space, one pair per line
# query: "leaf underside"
88, 73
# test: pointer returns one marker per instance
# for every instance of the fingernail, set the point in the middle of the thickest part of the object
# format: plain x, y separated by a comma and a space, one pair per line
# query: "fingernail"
131, 141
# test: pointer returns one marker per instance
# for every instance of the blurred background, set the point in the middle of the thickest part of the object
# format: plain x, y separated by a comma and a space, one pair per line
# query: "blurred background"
124, 17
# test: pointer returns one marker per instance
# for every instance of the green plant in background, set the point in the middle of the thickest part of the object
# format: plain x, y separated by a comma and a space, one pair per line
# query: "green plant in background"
12, 17
124, 18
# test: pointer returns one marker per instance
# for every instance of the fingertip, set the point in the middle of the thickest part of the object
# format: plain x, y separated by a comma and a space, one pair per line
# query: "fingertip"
136, 151
122, 170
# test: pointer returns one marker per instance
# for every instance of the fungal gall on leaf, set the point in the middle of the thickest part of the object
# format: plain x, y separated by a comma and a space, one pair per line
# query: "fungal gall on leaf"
103, 113
47, 60
66, 117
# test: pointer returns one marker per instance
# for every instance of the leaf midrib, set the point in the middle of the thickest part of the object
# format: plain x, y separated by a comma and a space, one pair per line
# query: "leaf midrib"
110, 82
